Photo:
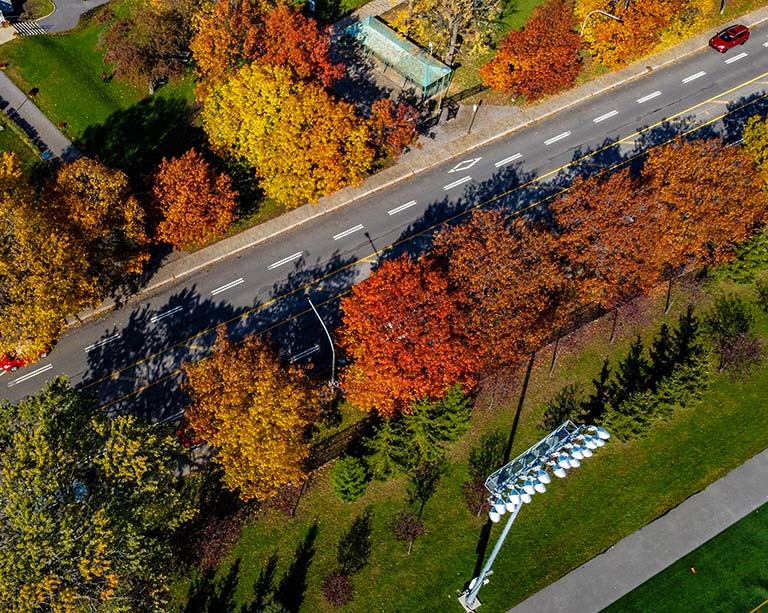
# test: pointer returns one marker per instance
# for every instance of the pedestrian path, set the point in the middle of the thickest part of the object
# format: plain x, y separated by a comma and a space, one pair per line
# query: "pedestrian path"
643, 554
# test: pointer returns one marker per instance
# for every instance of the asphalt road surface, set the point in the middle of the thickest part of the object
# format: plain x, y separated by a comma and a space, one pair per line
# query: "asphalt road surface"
130, 358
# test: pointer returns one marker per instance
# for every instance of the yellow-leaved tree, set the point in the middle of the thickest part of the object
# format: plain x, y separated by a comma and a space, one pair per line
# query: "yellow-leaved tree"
255, 410
301, 141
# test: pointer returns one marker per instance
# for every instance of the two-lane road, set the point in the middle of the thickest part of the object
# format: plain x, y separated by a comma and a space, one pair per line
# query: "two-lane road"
130, 357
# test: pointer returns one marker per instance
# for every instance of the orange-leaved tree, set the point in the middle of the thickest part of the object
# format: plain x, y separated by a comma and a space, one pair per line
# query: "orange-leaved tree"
607, 235
295, 42
303, 143
406, 337
256, 411
393, 126
197, 202
540, 59
510, 283
633, 32
227, 35
712, 197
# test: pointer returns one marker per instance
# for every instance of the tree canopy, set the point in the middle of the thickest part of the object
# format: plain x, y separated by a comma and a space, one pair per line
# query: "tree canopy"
86, 504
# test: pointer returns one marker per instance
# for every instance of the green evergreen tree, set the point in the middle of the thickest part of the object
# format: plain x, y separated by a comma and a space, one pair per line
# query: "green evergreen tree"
349, 478
662, 356
568, 403
686, 338
600, 399
729, 323
631, 373
386, 451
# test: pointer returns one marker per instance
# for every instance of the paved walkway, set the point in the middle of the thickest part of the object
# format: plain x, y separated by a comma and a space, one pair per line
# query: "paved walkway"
641, 555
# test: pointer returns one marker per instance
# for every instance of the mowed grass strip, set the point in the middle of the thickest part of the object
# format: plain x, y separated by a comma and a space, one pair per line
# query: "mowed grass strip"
622, 488
731, 574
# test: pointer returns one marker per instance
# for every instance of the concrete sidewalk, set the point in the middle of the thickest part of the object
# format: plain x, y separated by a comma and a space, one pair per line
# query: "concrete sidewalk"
643, 554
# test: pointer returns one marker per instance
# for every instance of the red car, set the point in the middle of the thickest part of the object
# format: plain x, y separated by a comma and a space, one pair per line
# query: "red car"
11, 361
730, 37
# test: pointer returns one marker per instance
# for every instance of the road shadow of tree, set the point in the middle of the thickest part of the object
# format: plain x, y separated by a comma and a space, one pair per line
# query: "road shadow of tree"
137, 138
739, 111
139, 361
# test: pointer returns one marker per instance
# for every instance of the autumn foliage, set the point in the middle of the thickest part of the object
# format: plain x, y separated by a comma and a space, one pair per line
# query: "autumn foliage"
197, 203
540, 59
302, 143
255, 411
393, 126
407, 337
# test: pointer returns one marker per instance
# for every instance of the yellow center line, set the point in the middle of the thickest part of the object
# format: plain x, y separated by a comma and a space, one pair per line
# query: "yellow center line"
373, 257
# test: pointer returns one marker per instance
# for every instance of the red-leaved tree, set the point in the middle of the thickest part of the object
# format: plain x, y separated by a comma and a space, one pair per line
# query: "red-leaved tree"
406, 337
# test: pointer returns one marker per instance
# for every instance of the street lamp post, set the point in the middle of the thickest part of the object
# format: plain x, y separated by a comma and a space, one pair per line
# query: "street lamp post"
584, 23
332, 382
513, 485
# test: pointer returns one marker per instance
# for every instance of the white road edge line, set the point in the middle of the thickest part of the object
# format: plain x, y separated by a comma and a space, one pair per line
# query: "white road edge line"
511, 158
305, 353
401, 208
648, 97
554, 139
736, 58
290, 258
103, 341
457, 183
224, 288
34, 373
156, 318
606, 116
693, 77
357, 228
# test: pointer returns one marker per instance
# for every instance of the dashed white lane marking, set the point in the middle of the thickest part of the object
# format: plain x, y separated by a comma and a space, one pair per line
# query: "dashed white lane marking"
465, 165
168, 313
34, 373
303, 354
693, 77
736, 58
554, 139
402, 207
290, 258
606, 116
230, 285
648, 97
103, 341
456, 183
765, 44
341, 235
511, 158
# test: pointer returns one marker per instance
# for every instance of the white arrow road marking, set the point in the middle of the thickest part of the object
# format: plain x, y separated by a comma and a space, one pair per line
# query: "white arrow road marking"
224, 288
357, 228
290, 258
34, 373
465, 165
402, 207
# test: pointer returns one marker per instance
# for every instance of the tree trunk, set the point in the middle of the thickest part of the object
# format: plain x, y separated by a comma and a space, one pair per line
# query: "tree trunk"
451, 52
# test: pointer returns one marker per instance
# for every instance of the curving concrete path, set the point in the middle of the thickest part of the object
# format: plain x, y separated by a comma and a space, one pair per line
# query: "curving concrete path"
67, 14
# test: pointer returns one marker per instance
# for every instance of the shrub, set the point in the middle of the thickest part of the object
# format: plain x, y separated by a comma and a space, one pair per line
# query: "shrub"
761, 287
349, 478
407, 527
729, 319
337, 588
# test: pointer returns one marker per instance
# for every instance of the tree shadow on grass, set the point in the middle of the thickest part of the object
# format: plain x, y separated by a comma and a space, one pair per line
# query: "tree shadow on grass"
207, 594
136, 139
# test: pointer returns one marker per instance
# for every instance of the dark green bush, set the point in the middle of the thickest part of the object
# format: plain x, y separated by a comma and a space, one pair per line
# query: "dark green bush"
349, 477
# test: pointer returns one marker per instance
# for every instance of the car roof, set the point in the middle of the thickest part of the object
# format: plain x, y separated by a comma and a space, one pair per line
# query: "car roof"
737, 29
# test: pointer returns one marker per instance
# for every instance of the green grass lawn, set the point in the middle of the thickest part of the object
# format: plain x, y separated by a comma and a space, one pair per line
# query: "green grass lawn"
623, 488
731, 575
12, 138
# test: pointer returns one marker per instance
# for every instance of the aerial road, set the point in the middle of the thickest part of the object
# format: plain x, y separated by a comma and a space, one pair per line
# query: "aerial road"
130, 358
